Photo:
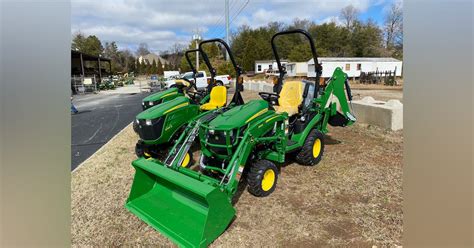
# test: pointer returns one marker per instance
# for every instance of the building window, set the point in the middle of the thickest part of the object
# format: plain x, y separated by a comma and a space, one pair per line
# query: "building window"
259, 68
348, 67
270, 67
359, 67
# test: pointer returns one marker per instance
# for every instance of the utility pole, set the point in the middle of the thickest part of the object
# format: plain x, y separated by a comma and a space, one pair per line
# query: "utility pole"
227, 26
196, 38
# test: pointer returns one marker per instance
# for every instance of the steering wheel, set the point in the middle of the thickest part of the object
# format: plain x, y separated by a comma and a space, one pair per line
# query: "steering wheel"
196, 96
191, 83
271, 98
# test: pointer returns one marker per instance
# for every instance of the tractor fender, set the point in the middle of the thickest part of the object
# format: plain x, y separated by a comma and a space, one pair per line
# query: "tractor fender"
301, 137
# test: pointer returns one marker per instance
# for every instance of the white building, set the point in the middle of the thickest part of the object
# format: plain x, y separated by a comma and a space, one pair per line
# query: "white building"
261, 66
297, 69
354, 66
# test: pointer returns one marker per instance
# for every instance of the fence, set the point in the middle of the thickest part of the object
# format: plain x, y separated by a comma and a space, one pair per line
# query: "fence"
83, 85
377, 77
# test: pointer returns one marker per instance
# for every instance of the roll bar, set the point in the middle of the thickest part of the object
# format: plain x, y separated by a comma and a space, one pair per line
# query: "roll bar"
237, 99
193, 69
282, 70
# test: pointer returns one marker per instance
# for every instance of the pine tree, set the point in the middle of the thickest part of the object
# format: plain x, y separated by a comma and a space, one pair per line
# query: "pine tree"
153, 69
160, 68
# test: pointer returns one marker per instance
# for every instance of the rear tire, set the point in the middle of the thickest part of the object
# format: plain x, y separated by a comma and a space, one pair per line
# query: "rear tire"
312, 151
140, 150
219, 83
262, 178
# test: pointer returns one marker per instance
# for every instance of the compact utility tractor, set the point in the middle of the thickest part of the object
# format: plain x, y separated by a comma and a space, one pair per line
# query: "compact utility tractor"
193, 206
160, 125
181, 87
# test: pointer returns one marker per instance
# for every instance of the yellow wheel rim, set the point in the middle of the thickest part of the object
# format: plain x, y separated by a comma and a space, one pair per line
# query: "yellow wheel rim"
316, 148
186, 160
268, 180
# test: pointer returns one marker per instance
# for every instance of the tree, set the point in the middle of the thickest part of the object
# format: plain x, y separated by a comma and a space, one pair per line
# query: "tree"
159, 68
349, 16
142, 49
366, 40
153, 69
138, 68
78, 41
89, 45
393, 30
225, 68
300, 53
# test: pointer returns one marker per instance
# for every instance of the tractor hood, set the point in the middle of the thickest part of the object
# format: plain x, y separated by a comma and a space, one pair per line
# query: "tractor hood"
164, 108
240, 115
160, 95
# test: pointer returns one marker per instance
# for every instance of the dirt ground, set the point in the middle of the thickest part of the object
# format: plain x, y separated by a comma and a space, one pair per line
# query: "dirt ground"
352, 198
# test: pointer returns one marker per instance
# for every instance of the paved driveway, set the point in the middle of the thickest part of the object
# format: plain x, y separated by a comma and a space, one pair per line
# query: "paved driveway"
100, 117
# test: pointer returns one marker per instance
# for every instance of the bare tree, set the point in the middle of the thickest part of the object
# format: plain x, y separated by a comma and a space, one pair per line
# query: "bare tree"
393, 27
142, 49
349, 15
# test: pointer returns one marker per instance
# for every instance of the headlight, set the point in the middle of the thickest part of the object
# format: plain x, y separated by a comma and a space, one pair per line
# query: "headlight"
150, 103
211, 131
137, 121
148, 122
143, 103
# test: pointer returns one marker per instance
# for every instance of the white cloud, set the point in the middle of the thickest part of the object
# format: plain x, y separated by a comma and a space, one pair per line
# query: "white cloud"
162, 23
335, 19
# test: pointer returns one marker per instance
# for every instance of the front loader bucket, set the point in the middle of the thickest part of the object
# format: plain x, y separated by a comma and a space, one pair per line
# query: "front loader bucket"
189, 211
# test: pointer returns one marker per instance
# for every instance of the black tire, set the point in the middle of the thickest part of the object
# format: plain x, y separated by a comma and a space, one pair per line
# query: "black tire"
308, 155
135, 126
255, 178
140, 150
219, 83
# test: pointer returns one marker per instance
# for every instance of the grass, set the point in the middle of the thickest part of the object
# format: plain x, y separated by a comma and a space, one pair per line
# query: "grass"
353, 198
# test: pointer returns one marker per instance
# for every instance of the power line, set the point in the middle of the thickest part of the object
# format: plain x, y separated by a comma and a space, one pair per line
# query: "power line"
242, 7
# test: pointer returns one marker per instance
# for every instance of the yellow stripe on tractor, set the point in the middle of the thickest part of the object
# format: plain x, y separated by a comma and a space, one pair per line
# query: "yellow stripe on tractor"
176, 107
169, 94
261, 112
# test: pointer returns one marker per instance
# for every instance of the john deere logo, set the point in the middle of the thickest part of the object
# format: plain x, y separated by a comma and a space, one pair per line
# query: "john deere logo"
168, 127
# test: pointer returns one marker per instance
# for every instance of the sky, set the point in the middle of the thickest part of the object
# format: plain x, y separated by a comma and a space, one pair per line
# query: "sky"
161, 23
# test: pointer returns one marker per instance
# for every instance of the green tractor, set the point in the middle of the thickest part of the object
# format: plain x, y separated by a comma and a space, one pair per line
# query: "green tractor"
160, 125
181, 87
193, 206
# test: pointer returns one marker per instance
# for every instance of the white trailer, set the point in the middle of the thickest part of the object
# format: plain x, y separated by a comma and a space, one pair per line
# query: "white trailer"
354, 66
297, 69
262, 66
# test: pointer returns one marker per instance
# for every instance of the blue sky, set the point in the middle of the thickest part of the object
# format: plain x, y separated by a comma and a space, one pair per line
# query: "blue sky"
161, 24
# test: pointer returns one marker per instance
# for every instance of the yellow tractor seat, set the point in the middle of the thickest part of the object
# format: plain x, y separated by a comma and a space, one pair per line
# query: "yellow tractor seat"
291, 96
217, 99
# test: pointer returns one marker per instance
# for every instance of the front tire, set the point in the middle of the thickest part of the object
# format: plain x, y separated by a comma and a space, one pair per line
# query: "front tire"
312, 151
188, 160
262, 178
140, 150
135, 126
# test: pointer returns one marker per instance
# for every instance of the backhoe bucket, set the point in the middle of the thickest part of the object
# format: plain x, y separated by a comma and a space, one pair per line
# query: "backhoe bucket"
187, 210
